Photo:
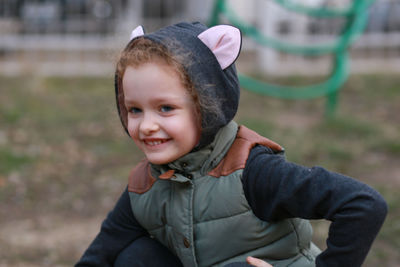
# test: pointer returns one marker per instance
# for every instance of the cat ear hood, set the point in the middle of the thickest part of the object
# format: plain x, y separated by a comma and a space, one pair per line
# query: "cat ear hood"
209, 55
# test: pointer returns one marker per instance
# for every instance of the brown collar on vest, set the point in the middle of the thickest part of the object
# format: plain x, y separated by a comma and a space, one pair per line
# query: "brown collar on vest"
237, 155
141, 180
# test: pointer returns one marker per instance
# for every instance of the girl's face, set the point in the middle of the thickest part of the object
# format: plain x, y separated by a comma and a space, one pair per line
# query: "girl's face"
162, 117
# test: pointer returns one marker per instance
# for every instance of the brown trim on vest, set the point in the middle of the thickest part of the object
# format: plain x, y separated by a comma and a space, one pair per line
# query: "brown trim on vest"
141, 180
167, 175
239, 152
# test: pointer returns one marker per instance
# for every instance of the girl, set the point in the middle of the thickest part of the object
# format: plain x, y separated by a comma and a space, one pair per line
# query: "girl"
210, 192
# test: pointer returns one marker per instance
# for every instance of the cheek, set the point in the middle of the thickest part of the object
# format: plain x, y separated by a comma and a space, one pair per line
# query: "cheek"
189, 127
132, 128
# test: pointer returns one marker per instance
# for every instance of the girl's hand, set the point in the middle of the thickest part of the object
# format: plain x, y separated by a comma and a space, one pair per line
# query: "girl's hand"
257, 262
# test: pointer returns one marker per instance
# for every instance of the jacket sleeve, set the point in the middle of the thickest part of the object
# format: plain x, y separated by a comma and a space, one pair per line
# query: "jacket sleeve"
118, 230
277, 189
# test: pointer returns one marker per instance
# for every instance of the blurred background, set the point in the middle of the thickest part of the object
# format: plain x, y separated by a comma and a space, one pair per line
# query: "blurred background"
70, 37
65, 159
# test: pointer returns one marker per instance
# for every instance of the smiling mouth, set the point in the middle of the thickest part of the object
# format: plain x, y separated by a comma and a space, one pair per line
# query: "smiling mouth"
155, 142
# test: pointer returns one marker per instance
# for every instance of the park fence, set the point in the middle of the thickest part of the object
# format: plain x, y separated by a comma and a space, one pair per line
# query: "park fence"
83, 37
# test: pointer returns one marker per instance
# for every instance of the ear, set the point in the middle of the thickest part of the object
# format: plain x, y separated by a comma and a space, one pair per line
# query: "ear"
138, 31
224, 41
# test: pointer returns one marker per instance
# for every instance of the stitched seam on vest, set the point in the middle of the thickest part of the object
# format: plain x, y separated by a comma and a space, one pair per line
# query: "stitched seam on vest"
160, 227
297, 234
280, 239
165, 228
220, 218
175, 232
250, 250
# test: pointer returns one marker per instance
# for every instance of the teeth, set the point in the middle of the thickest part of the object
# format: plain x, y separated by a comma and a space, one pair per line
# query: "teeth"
153, 143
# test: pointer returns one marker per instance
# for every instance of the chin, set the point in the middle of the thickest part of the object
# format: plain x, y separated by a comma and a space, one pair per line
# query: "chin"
158, 161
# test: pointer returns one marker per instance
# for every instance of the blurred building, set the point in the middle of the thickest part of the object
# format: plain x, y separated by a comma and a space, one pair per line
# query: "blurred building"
67, 37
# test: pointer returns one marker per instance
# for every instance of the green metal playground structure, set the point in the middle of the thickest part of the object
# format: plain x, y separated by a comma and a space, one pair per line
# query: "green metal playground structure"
355, 16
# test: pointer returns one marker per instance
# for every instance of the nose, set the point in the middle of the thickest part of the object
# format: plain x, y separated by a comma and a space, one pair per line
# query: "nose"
149, 124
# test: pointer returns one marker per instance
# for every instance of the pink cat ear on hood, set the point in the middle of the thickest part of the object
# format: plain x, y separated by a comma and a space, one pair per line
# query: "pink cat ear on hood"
138, 31
224, 41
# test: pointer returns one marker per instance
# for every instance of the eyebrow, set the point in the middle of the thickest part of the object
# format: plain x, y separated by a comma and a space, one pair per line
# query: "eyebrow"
161, 99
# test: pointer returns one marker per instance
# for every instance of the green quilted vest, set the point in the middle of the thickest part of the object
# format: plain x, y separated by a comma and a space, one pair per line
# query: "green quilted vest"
197, 208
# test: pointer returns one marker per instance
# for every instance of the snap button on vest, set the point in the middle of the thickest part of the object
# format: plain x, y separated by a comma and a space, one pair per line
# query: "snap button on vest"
186, 242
